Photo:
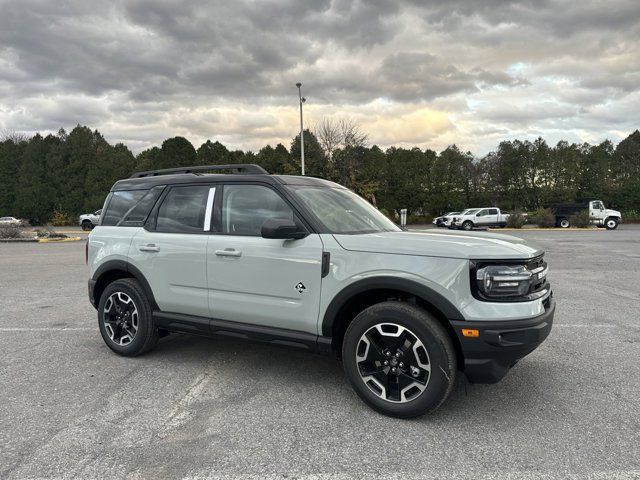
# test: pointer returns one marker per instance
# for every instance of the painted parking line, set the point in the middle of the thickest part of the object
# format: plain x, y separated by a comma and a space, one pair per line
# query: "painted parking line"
44, 329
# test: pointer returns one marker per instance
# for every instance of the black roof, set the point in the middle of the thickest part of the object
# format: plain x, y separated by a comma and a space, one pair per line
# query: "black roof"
147, 182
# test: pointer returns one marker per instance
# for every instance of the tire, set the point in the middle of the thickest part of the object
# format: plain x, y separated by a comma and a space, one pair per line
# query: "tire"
116, 326
611, 223
564, 223
87, 225
467, 225
418, 387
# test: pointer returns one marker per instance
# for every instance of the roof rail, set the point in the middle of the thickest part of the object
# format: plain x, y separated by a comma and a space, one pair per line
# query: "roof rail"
236, 167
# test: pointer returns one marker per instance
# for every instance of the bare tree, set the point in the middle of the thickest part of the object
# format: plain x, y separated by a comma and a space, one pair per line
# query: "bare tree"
339, 133
351, 135
328, 134
15, 137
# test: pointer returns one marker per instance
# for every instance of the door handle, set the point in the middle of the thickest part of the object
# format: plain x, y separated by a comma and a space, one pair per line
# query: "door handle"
149, 247
229, 252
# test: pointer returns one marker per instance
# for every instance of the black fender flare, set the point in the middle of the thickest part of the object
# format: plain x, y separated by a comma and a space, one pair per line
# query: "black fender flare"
122, 265
387, 283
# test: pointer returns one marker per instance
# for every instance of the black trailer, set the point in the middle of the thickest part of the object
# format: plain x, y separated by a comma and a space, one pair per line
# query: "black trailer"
563, 211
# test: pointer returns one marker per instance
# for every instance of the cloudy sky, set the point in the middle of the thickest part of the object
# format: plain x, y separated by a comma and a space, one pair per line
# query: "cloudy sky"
426, 73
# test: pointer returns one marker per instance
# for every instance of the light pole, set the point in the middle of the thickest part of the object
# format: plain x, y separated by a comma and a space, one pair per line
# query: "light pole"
302, 100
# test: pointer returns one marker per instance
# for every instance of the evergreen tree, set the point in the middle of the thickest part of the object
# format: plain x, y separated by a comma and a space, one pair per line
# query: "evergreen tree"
314, 157
177, 152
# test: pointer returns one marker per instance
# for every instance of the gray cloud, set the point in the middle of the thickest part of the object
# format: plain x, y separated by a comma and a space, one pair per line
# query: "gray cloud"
143, 70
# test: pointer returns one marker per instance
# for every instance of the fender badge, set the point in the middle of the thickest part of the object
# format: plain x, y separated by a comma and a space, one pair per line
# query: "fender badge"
300, 287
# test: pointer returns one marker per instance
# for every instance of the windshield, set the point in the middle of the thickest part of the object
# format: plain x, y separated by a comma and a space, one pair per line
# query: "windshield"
342, 211
471, 211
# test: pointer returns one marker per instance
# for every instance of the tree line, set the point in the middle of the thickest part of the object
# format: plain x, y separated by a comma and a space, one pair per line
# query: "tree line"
71, 173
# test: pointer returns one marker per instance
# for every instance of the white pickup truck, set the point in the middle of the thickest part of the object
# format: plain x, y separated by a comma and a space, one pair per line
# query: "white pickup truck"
480, 217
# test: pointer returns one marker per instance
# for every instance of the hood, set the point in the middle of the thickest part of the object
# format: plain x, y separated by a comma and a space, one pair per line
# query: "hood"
612, 213
467, 245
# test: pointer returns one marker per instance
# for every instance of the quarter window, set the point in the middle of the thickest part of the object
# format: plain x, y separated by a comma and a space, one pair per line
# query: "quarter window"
493, 211
137, 214
183, 210
246, 207
121, 202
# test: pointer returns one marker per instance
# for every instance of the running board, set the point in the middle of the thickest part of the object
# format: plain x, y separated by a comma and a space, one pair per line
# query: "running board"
177, 322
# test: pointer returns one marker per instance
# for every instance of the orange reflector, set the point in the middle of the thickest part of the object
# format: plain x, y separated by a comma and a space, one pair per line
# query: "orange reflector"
470, 332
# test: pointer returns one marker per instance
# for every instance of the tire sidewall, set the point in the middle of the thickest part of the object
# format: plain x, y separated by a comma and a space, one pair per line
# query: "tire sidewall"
564, 223
145, 320
432, 335
614, 226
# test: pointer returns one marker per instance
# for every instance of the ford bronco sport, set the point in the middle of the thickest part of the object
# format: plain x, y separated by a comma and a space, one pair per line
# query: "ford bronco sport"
305, 263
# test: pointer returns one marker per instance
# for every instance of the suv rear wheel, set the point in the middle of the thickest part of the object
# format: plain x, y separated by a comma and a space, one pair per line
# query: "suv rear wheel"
399, 359
124, 318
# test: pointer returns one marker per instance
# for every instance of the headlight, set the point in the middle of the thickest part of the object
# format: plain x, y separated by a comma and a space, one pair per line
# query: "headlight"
503, 281
524, 282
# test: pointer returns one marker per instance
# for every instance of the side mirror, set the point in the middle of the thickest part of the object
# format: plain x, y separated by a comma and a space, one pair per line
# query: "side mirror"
478, 214
281, 229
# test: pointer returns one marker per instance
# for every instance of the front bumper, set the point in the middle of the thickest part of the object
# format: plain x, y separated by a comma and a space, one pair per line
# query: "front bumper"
500, 345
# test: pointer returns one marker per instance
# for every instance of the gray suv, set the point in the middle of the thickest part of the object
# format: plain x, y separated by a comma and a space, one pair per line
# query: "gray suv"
305, 263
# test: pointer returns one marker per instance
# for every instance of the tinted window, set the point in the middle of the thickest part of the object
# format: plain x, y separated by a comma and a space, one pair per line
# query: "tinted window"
493, 211
246, 207
137, 214
120, 204
183, 210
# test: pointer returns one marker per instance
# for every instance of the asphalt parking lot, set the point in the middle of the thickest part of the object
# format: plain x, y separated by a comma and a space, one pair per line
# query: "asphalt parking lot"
201, 408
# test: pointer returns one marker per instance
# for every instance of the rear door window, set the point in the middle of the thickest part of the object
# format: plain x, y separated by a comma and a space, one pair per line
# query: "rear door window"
183, 210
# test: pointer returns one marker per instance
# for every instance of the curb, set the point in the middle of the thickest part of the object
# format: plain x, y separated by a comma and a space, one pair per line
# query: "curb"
58, 240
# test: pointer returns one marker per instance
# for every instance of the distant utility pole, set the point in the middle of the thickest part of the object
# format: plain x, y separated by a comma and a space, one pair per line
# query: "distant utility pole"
302, 100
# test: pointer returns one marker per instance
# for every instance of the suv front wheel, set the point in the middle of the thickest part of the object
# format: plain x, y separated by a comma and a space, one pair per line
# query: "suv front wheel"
124, 318
399, 359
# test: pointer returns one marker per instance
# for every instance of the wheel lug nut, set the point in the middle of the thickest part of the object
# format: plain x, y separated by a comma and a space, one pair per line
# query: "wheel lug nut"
397, 354
393, 369
401, 365
386, 362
